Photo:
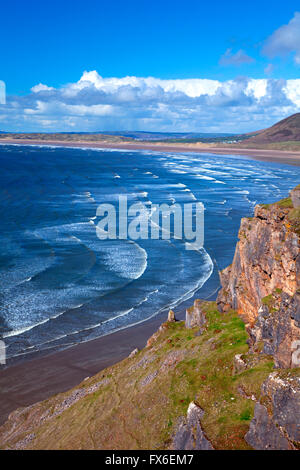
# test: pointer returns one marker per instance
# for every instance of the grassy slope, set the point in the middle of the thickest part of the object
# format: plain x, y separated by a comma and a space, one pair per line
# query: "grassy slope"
136, 403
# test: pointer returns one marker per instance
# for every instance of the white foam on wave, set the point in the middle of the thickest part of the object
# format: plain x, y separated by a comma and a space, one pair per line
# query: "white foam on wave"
26, 280
31, 327
203, 177
220, 202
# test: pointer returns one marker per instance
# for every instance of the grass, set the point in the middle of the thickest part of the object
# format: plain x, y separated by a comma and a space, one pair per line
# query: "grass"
292, 145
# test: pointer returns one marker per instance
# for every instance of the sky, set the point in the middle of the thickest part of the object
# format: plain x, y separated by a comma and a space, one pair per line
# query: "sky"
158, 66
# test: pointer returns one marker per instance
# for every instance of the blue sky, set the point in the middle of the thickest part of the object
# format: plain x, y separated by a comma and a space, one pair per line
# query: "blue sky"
231, 43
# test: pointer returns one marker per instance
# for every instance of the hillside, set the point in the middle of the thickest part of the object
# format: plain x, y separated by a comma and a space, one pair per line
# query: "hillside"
138, 403
287, 130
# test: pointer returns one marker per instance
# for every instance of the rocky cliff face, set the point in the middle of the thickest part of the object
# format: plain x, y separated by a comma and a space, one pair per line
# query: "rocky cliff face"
276, 423
263, 282
263, 285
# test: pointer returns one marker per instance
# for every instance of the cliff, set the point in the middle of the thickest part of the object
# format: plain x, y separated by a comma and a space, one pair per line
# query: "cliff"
263, 282
226, 378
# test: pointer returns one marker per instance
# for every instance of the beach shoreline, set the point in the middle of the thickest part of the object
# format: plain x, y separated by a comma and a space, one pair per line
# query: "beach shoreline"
276, 156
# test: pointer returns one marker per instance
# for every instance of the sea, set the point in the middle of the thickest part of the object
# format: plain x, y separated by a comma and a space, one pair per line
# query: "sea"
61, 285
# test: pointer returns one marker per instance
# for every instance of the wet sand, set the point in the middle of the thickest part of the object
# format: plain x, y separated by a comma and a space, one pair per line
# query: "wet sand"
279, 156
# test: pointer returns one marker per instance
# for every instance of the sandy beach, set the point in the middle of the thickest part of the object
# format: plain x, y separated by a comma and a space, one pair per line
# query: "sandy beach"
279, 156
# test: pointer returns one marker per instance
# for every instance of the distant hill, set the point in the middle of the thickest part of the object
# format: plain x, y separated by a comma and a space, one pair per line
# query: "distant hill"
171, 136
287, 130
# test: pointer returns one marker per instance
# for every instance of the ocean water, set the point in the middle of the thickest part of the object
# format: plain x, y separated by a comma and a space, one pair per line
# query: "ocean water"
60, 284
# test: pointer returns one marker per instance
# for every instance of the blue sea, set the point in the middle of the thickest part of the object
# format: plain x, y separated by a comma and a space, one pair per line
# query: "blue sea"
61, 285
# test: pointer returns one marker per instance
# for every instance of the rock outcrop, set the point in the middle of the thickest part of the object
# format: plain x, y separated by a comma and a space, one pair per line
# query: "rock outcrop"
263, 282
195, 316
171, 316
277, 328
189, 434
263, 285
276, 424
295, 196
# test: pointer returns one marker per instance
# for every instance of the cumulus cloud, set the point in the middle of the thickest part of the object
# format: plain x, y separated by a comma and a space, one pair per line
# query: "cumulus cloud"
285, 40
41, 87
236, 59
94, 103
2, 92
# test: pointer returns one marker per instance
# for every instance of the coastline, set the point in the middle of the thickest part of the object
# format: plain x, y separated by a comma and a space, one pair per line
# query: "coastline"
276, 156
28, 382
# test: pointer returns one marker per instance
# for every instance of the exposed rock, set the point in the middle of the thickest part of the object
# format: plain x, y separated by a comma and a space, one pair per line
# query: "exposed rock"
143, 363
263, 433
266, 257
24, 442
171, 316
295, 196
239, 363
156, 335
134, 352
171, 360
189, 434
243, 362
195, 315
263, 280
147, 380
278, 328
276, 423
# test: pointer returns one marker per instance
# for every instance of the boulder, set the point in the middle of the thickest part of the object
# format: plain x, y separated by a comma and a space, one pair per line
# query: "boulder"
295, 196
171, 316
189, 434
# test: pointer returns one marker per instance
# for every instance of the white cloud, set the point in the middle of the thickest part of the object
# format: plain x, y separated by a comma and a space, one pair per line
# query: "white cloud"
285, 40
2, 93
95, 103
237, 59
41, 87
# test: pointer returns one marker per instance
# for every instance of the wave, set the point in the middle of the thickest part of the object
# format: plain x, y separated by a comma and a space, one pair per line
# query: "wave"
31, 327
